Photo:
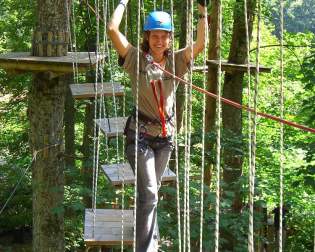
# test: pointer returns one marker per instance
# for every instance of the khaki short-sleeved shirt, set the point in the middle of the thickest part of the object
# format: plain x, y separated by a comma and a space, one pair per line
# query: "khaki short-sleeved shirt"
147, 103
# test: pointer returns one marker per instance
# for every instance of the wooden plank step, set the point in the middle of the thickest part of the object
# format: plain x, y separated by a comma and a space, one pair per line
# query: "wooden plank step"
88, 90
117, 173
107, 228
230, 67
24, 61
111, 126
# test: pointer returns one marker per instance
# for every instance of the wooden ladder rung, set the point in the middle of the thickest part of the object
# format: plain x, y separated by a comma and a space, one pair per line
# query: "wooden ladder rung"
119, 173
113, 126
106, 230
89, 90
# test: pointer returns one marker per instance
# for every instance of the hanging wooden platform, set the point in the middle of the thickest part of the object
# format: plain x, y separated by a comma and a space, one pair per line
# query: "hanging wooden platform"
107, 228
112, 126
24, 62
89, 90
119, 173
230, 67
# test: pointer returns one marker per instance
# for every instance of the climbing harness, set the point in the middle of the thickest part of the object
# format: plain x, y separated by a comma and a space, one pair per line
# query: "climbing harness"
154, 76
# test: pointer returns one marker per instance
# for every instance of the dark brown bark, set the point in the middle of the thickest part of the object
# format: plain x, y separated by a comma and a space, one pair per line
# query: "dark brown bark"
46, 107
46, 111
214, 50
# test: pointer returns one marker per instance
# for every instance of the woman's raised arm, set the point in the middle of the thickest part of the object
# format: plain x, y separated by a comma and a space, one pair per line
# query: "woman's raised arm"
199, 44
120, 42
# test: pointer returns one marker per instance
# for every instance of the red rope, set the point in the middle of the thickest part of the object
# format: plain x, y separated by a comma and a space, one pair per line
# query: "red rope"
160, 105
237, 105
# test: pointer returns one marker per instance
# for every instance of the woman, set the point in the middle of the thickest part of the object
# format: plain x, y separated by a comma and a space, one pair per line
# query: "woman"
155, 103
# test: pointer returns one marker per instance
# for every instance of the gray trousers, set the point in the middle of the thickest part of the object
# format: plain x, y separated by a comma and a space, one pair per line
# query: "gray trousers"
153, 156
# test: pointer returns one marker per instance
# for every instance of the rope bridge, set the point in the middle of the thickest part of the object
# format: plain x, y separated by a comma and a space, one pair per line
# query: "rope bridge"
100, 223
188, 94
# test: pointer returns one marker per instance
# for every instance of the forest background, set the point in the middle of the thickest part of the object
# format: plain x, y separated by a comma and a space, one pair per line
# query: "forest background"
16, 23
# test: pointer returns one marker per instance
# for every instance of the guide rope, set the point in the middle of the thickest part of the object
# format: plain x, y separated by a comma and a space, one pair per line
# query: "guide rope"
239, 106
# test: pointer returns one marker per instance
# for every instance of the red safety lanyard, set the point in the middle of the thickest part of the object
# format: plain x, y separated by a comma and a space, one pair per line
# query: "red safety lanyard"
160, 104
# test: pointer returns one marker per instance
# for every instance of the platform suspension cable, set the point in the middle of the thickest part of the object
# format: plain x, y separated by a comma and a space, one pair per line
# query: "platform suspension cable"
218, 123
123, 145
98, 114
252, 173
73, 39
106, 43
137, 127
186, 119
143, 11
178, 207
185, 138
188, 167
250, 240
203, 133
281, 126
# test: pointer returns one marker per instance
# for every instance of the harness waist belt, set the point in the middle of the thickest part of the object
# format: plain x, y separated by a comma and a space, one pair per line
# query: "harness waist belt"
144, 118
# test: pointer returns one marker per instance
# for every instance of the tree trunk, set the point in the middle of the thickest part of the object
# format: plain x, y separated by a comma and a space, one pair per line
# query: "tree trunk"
232, 117
214, 50
233, 90
46, 110
46, 107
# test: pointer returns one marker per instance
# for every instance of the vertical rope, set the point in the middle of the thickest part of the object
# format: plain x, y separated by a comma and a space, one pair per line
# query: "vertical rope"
175, 137
203, 133
109, 60
123, 175
281, 126
143, 11
73, 41
96, 132
137, 126
254, 125
218, 140
251, 186
185, 136
189, 123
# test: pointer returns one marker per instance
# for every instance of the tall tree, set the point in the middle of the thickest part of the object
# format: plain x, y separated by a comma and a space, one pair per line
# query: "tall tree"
46, 110
232, 117
213, 54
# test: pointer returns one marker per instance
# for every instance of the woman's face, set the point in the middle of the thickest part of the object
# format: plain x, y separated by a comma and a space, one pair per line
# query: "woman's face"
159, 41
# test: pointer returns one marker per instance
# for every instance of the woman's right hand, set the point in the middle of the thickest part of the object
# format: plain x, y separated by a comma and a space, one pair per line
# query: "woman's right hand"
119, 41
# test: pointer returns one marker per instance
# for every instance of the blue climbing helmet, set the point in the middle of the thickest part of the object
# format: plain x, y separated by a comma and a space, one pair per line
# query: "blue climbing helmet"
158, 20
